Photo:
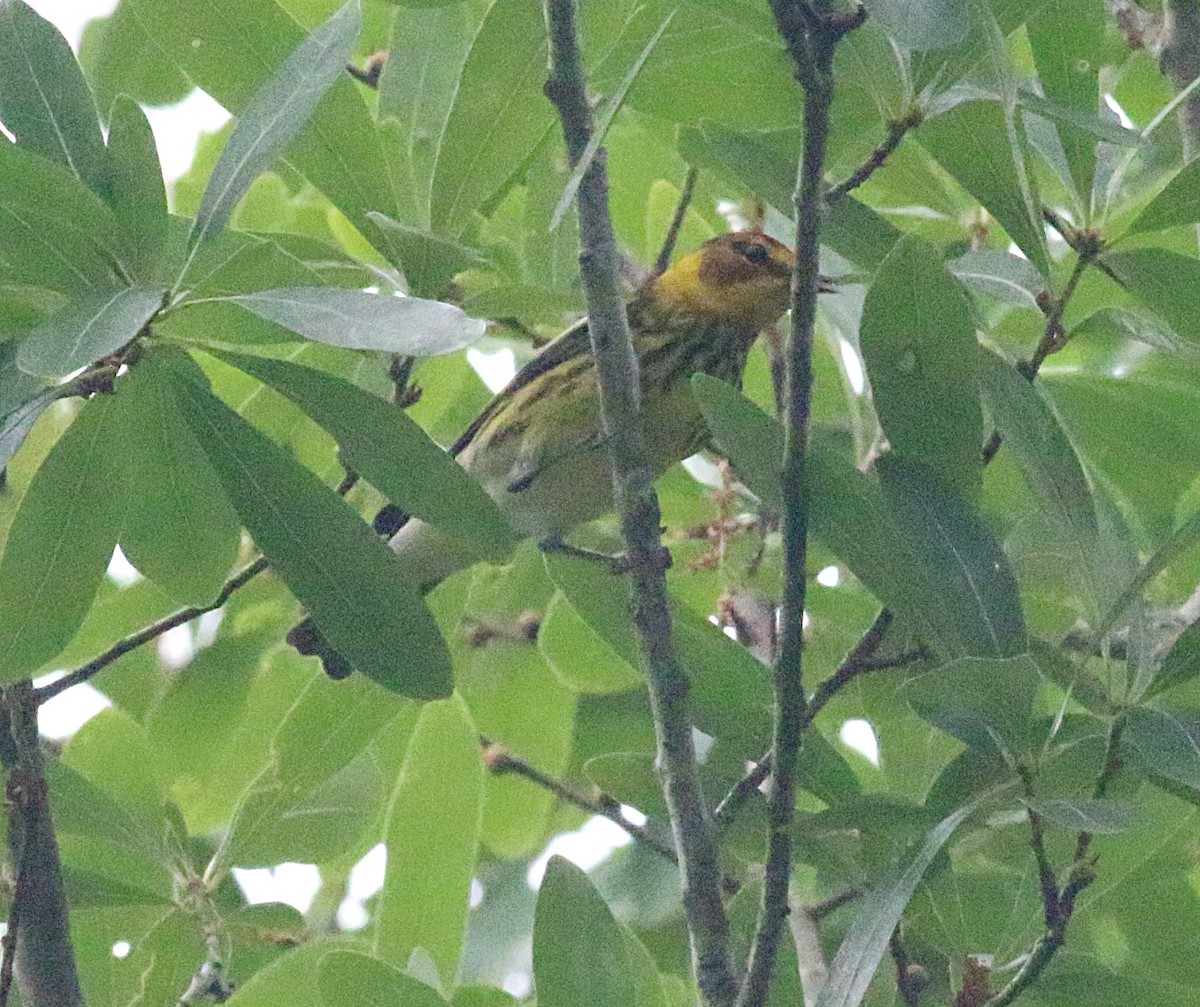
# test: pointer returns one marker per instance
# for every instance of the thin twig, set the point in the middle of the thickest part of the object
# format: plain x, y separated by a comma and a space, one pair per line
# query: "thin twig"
849, 671
681, 208
637, 505
897, 129
148, 633
812, 35
910, 991
499, 760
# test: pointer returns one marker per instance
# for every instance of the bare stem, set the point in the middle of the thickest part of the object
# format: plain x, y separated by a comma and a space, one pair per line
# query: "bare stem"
812, 36
681, 208
897, 130
637, 505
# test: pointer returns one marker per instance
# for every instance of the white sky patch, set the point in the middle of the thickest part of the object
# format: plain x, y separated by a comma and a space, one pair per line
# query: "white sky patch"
366, 878
1115, 107
69, 16
177, 129
860, 736
495, 369
587, 847
121, 949
830, 576
295, 885
120, 571
853, 367
67, 712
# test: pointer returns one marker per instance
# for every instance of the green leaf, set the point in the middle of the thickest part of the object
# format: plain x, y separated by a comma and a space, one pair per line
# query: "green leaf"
1033, 432
1182, 662
350, 979
22, 400
419, 83
498, 116
118, 58
1165, 282
276, 113
135, 185
93, 327
181, 531
1164, 743
567, 971
62, 539
750, 438
922, 25
44, 100
432, 834
331, 561
564, 635
1179, 542
1098, 816
918, 344
982, 147
603, 121
875, 919
984, 702
54, 231
1009, 278
1123, 324
948, 540
1176, 205
384, 446
429, 262
357, 320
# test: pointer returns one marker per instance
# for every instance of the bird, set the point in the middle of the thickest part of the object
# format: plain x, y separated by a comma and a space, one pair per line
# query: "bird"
537, 447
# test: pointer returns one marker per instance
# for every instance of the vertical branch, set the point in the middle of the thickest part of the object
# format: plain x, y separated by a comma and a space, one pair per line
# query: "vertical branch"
39, 954
621, 425
812, 37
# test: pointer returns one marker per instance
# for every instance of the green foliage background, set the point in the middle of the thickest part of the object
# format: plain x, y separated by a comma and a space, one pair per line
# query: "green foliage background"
442, 183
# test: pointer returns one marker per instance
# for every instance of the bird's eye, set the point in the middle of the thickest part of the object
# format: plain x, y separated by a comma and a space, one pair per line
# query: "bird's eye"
754, 253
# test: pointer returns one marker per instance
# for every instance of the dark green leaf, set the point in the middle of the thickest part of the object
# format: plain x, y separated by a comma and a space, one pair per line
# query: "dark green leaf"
22, 400
356, 320
351, 979
960, 560
984, 702
1006, 277
1121, 323
982, 147
1164, 742
1165, 282
384, 446
93, 327
918, 344
62, 539
432, 834
1182, 662
429, 262
876, 917
567, 971
1102, 817
1179, 542
1176, 205
750, 438
498, 116
44, 100
276, 113
180, 531
326, 555
135, 185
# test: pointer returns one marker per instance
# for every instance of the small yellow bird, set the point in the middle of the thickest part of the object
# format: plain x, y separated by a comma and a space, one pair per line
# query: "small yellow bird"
537, 450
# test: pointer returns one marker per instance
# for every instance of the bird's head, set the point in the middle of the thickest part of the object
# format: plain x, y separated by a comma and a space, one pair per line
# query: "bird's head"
741, 278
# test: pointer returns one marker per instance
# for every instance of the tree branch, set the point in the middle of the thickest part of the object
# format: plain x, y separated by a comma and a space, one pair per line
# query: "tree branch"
812, 34
897, 129
39, 954
681, 208
148, 633
637, 505
500, 761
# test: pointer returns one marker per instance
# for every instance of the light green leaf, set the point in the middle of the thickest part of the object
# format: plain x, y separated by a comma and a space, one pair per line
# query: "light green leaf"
135, 186
875, 919
350, 979
62, 539
93, 327
498, 116
1182, 662
1164, 743
384, 446
1179, 542
922, 25
330, 559
429, 262
432, 831
1099, 816
181, 531
1176, 205
564, 635
1006, 277
356, 320
1165, 282
44, 100
918, 344
277, 112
